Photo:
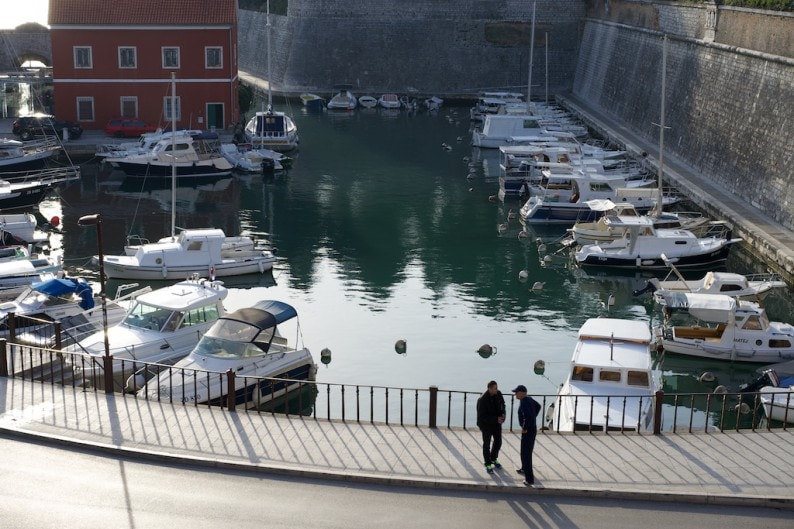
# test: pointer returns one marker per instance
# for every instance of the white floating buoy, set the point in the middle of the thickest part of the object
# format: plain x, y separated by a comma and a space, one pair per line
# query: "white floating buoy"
501, 228
541, 247
708, 376
493, 198
460, 139
539, 367
400, 346
446, 147
523, 275
720, 390
547, 259
511, 214
523, 234
742, 408
537, 285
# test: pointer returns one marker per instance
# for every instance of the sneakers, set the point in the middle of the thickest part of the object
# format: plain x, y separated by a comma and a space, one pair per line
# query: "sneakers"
497, 465
489, 469
520, 471
528, 483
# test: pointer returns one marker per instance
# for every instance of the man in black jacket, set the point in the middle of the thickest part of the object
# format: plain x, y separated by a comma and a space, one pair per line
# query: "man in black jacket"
490, 416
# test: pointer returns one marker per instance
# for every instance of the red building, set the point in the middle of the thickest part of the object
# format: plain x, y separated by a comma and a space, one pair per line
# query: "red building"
115, 58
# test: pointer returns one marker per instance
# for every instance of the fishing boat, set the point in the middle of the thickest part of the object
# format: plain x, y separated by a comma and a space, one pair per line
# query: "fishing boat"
18, 156
610, 384
343, 100
312, 101
192, 155
643, 247
252, 344
198, 251
161, 326
726, 329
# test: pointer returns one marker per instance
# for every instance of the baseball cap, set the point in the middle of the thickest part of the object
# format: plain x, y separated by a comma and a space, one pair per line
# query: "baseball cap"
520, 387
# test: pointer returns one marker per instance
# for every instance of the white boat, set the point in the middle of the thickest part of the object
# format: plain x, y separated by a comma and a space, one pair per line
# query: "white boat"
601, 231
191, 156
21, 228
367, 101
611, 384
343, 100
312, 100
18, 275
161, 326
389, 101
643, 247
18, 156
433, 103
752, 288
272, 130
775, 391
506, 129
69, 301
251, 343
250, 159
737, 331
110, 152
493, 103
193, 251
562, 198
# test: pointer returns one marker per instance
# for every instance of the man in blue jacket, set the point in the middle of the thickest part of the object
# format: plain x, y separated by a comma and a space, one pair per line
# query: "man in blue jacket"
528, 409
490, 416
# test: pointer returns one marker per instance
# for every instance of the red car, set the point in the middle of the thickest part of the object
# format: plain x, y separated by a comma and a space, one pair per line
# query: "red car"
127, 127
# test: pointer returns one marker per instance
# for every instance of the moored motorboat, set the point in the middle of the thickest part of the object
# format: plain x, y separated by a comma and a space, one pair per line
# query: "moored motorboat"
389, 101
249, 342
250, 159
272, 130
17, 156
343, 100
196, 251
367, 101
611, 384
312, 101
187, 154
161, 326
735, 330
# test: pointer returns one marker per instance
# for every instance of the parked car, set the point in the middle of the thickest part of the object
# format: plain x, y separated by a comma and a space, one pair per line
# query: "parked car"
38, 125
128, 127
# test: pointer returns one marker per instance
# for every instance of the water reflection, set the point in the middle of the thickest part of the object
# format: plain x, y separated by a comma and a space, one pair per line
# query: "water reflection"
382, 235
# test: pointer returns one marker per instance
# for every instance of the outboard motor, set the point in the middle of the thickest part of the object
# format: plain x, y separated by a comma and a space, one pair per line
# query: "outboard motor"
767, 378
648, 288
268, 167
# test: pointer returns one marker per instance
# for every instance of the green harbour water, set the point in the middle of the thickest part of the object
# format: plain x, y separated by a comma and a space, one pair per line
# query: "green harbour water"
383, 235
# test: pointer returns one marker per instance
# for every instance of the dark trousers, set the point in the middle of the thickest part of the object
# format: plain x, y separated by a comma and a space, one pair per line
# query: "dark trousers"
490, 453
527, 445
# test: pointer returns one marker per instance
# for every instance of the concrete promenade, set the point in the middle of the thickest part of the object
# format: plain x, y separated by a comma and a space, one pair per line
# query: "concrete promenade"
752, 469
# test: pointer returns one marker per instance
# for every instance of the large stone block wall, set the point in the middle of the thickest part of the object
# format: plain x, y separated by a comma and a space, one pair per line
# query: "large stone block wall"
729, 111
439, 47
766, 31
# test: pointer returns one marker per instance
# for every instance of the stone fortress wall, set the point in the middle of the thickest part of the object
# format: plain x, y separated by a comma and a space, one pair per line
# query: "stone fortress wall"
729, 108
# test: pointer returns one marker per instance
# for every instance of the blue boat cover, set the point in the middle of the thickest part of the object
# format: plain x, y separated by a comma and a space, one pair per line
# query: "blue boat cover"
59, 287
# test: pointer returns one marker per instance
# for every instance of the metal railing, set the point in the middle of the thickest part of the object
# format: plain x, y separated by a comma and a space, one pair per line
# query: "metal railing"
431, 407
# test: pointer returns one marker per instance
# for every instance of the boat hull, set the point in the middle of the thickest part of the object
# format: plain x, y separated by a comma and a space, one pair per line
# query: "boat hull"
182, 170
655, 263
120, 269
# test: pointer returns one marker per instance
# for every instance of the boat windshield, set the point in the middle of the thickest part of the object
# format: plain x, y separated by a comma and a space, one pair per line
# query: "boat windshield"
146, 316
234, 339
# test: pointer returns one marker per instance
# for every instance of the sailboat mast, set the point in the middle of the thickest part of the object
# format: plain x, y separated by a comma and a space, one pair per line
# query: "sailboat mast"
661, 123
269, 69
173, 156
531, 57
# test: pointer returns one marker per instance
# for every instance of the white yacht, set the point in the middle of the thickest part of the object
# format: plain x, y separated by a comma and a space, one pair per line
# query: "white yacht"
611, 384
161, 326
180, 155
272, 130
252, 343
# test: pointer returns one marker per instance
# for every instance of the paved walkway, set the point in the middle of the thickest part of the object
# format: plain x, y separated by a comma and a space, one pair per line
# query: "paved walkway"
722, 468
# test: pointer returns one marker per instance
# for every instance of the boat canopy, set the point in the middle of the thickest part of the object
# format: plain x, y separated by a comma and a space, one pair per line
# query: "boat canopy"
59, 287
245, 332
715, 308
264, 314
600, 204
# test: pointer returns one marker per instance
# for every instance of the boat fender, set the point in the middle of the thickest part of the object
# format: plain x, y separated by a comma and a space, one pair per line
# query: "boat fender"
165, 271
261, 267
550, 413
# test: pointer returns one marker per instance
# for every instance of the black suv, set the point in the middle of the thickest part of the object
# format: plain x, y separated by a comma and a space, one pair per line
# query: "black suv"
29, 127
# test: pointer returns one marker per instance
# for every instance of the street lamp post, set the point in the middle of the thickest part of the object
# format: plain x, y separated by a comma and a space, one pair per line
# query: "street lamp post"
96, 220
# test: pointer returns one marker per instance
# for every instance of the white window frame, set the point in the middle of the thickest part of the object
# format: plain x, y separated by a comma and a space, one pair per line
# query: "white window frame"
166, 48
128, 99
85, 99
206, 57
134, 57
167, 108
75, 52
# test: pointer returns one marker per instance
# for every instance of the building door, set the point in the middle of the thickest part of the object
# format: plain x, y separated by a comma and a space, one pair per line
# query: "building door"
215, 117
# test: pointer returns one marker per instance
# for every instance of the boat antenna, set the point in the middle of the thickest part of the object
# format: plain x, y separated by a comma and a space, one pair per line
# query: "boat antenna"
531, 53
658, 207
173, 156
